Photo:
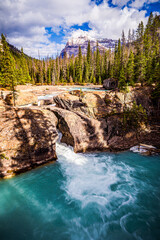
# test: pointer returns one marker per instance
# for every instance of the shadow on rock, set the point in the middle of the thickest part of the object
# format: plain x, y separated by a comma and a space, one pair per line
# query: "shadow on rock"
28, 138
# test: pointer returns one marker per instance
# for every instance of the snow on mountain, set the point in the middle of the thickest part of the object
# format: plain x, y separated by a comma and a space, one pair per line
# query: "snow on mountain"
72, 46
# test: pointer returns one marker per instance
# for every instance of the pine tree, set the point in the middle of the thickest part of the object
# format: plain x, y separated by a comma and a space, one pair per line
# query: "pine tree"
148, 57
140, 67
64, 67
49, 79
123, 54
98, 67
8, 70
123, 38
104, 66
79, 67
156, 70
133, 35
129, 37
130, 69
122, 80
57, 70
86, 72
140, 59
117, 59
92, 77
44, 71
89, 53
67, 74
149, 25
110, 70
25, 76
140, 32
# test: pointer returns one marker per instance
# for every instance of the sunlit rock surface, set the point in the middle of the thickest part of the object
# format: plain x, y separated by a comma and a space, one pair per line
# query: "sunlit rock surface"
21, 98
27, 138
88, 103
83, 133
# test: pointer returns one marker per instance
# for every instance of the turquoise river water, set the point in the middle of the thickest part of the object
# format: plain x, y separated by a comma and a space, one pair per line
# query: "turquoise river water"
99, 196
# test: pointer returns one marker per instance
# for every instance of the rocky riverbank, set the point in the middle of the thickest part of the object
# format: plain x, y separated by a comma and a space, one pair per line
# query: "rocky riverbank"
88, 121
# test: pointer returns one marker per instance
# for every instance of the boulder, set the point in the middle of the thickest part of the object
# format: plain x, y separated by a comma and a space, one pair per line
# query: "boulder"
21, 98
27, 139
110, 83
90, 104
95, 105
69, 102
83, 133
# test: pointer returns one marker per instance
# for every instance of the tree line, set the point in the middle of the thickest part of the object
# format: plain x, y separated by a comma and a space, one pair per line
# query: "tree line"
136, 59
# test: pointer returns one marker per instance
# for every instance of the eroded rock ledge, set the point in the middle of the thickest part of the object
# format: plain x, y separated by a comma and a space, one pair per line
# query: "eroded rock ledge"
27, 138
83, 133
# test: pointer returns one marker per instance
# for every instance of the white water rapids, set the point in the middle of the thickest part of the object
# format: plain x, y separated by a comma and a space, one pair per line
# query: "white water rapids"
95, 178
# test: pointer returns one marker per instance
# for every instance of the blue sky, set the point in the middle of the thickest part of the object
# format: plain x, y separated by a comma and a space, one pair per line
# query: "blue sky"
45, 26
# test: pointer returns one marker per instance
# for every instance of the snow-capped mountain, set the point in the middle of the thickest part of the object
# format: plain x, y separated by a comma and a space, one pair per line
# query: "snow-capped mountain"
72, 46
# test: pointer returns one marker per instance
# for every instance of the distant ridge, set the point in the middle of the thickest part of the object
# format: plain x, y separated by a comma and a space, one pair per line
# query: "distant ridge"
15, 50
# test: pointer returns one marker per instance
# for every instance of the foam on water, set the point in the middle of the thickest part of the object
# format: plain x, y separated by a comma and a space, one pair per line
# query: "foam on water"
94, 178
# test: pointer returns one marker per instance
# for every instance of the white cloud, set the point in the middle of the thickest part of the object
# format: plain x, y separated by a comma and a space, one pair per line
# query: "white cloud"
37, 45
120, 3
24, 21
109, 22
139, 3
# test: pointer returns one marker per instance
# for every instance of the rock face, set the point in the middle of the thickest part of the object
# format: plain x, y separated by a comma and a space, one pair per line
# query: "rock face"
116, 101
90, 104
88, 134
107, 115
95, 105
118, 139
21, 98
83, 133
27, 138
67, 101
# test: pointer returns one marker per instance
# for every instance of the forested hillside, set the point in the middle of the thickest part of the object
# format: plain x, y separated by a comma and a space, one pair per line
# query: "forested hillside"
136, 58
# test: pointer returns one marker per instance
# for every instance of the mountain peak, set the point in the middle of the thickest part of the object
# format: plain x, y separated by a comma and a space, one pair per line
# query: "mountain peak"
81, 39
72, 46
